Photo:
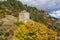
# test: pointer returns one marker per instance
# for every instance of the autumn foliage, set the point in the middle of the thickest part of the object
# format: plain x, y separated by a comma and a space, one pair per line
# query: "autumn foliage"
34, 31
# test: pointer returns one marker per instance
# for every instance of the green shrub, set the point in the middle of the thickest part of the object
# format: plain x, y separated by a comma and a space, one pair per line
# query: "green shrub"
1, 32
1, 16
6, 34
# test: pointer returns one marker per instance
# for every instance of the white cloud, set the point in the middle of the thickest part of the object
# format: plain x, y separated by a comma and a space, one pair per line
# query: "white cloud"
55, 14
43, 4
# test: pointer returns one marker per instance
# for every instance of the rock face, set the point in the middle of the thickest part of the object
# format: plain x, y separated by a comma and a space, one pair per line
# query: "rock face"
24, 16
9, 18
8, 23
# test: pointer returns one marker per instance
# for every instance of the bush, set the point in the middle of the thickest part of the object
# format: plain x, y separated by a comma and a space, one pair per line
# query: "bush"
2, 15
1, 22
1, 32
6, 34
34, 31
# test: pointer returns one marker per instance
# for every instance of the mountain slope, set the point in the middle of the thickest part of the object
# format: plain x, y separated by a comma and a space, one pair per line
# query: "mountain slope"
35, 15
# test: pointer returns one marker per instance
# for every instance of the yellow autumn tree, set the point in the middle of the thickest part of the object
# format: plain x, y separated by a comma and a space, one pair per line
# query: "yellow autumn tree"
34, 31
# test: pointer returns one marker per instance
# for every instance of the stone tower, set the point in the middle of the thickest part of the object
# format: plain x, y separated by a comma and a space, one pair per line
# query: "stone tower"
24, 16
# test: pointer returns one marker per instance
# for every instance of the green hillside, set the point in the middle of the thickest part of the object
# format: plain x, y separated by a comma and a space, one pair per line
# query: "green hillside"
35, 15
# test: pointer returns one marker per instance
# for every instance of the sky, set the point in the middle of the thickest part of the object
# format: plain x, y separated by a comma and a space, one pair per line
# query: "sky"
51, 6
55, 14
48, 5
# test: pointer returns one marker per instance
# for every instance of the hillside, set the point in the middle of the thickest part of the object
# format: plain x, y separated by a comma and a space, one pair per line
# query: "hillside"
15, 7
8, 23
